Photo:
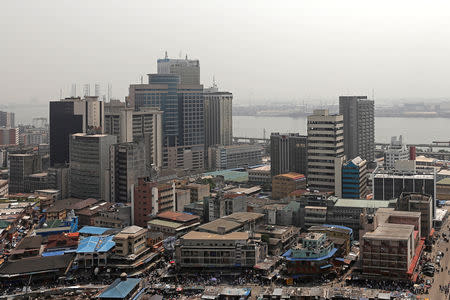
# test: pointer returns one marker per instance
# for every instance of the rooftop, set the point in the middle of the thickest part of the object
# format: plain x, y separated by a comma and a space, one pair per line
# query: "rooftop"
445, 181
388, 231
292, 175
195, 235
244, 216
177, 216
93, 230
96, 244
120, 289
30, 242
165, 223
262, 168
214, 226
361, 203
35, 264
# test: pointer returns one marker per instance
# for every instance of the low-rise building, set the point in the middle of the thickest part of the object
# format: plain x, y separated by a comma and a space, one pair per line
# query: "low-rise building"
130, 241
312, 257
284, 184
418, 203
234, 156
340, 235
173, 223
235, 222
391, 245
260, 175
279, 238
207, 250
443, 189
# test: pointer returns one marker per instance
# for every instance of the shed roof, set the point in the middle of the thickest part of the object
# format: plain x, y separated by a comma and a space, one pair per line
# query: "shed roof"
120, 289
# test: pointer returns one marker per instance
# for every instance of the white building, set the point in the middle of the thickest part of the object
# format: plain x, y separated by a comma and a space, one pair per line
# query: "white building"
396, 151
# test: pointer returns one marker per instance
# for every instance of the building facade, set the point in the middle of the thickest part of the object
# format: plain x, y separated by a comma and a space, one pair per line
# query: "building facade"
325, 151
127, 164
218, 117
355, 178
89, 165
396, 151
187, 69
69, 116
234, 156
7, 119
284, 184
359, 126
9, 136
288, 153
20, 166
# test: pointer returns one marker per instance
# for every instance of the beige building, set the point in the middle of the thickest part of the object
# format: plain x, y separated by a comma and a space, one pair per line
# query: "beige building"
208, 250
130, 241
284, 184
325, 151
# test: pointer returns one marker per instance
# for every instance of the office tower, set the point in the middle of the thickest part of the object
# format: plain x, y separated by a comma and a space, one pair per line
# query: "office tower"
325, 151
395, 151
354, 179
134, 126
128, 162
359, 126
69, 116
9, 136
89, 165
20, 166
73, 90
218, 117
7, 119
187, 69
183, 113
288, 153
234, 156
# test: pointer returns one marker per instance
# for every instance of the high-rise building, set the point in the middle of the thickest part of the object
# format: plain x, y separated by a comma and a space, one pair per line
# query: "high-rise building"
69, 116
9, 136
58, 179
183, 113
187, 69
395, 151
7, 119
128, 163
354, 179
218, 117
359, 126
288, 153
89, 165
20, 166
136, 126
325, 151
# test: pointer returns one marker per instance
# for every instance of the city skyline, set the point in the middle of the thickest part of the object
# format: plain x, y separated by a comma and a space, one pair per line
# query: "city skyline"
326, 48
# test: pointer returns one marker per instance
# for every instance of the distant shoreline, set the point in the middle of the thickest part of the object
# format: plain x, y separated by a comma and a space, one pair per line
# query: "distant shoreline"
303, 115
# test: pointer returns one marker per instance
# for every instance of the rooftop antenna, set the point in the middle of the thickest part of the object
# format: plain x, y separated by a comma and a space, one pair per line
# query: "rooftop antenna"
214, 81
60, 93
179, 54
186, 57
166, 57
373, 94
142, 79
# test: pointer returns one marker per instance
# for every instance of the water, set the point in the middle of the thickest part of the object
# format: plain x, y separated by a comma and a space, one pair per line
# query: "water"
414, 130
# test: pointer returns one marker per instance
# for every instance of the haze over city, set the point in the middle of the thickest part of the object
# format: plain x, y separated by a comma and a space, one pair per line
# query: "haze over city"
262, 50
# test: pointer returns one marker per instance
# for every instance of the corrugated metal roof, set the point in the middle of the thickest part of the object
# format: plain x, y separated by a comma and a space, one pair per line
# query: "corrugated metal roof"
96, 244
120, 288
93, 230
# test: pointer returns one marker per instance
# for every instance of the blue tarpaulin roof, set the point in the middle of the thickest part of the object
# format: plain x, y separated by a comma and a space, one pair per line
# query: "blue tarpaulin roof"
53, 253
93, 230
288, 254
120, 289
96, 244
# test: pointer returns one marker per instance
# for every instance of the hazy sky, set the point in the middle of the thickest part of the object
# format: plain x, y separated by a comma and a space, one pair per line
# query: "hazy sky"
259, 50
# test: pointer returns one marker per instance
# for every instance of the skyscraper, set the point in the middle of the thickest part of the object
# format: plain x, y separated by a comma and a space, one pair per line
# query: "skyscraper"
359, 126
129, 125
325, 151
89, 165
20, 166
183, 113
288, 153
69, 116
187, 69
218, 108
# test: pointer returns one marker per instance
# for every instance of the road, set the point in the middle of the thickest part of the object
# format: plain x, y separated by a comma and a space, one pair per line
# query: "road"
441, 278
